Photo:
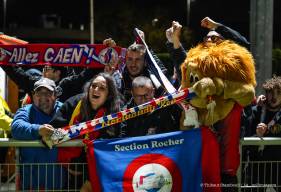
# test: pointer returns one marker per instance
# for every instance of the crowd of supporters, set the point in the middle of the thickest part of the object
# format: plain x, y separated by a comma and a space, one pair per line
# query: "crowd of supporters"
54, 97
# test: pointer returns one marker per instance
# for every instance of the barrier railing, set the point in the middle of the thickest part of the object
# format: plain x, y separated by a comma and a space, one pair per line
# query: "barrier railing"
259, 173
5, 142
253, 175
16, 172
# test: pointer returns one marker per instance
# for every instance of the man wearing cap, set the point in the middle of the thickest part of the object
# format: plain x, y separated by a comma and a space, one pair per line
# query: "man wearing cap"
31, 123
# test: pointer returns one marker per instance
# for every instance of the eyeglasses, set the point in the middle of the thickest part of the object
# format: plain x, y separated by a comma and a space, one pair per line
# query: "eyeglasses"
213, 38
145, 96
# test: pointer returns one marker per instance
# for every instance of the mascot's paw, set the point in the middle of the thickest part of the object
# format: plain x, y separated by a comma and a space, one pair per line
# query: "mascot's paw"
204, 87
219, 85
191, 118
211, 109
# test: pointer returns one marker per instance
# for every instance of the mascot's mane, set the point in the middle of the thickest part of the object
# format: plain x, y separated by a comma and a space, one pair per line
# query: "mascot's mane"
226, 60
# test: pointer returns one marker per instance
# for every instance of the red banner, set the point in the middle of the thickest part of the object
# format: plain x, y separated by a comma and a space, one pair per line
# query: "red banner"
86, 55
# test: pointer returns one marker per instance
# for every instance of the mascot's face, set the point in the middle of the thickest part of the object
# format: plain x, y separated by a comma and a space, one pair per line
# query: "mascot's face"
193, 74
226, 60
220, 75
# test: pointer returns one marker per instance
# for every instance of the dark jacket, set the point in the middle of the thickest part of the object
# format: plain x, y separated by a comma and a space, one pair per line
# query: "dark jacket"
270, 152
267, 156
160, 121
233, 35
67, 87
126, 81
178, 55
258, 116
73, 84
24, 81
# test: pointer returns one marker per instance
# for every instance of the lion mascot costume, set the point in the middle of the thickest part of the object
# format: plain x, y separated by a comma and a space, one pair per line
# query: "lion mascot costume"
223, 77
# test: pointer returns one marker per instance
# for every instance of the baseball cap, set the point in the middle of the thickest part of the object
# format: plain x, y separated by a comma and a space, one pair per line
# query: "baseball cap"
45, 82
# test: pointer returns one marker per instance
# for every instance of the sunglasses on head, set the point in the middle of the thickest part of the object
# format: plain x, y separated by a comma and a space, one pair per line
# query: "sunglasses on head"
213, 38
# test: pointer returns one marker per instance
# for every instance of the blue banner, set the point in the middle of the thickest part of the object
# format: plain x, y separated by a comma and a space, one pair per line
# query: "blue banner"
163, 162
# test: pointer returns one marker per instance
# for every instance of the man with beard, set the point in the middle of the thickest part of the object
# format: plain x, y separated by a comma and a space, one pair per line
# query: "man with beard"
31, 123
136, 64
265, 121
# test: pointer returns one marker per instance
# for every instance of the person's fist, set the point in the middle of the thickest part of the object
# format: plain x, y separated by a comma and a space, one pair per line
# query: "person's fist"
209, 23
109, 69
109, 42
261, 129
261, 100
173, 33
46, 130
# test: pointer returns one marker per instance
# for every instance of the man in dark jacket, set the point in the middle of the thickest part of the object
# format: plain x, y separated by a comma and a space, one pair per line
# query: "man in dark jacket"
67, 86
160, 121
136, 64
265, 121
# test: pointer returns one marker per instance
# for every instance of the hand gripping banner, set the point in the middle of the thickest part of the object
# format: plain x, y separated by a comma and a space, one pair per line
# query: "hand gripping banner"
75, 55
69, 132
153, 66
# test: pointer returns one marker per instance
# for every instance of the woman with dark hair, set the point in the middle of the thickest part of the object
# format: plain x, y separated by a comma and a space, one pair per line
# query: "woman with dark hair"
100, 98
108, 97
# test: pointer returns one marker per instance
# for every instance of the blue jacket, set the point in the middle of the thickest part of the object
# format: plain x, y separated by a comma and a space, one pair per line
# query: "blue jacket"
25, 126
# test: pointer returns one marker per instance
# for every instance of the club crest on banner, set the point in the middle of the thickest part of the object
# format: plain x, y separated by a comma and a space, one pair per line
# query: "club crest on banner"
108, 56
152, 177
151, 173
